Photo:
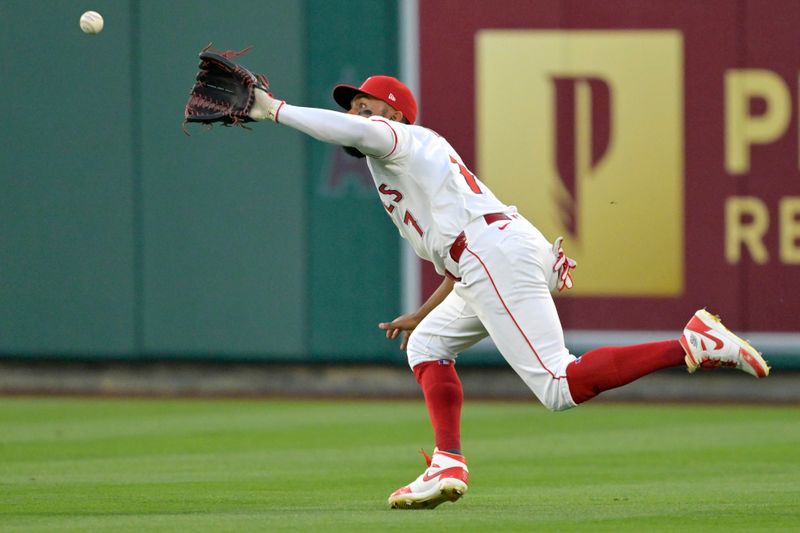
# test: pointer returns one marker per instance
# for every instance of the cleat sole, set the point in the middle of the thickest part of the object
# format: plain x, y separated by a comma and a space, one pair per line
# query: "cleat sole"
449, 490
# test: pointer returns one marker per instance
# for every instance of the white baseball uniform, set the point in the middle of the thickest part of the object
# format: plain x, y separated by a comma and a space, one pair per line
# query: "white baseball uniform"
504, 271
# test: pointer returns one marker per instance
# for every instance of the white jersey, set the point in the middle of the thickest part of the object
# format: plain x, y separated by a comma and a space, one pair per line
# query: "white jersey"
424, 186
428, 192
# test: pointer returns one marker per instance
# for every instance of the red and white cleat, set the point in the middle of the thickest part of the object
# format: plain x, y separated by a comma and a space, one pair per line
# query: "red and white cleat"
709, 344
445, 479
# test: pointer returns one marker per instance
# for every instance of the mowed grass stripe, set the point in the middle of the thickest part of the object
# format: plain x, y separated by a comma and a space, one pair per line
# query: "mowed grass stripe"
263, 465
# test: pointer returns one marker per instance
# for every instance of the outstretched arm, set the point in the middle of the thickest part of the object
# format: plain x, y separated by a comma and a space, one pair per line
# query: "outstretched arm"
374, 137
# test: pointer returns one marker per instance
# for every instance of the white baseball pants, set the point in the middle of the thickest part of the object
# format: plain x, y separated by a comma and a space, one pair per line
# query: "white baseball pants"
504, 292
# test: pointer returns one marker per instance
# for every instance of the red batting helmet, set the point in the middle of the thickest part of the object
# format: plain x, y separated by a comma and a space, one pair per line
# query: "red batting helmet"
386, 88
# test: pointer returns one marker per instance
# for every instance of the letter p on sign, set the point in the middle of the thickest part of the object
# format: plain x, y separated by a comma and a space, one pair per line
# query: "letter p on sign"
743, 129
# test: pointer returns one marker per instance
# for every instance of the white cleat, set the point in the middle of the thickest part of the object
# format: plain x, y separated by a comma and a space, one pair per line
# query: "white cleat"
445, 479
709, 344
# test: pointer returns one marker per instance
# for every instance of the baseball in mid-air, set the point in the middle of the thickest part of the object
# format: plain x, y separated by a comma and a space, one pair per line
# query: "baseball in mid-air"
92, 22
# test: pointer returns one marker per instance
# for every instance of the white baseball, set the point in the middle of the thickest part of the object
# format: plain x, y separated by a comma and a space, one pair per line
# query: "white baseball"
92, 22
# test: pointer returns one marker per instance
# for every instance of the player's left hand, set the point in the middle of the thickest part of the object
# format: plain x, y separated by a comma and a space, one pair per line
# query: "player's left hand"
404, 324
562, 267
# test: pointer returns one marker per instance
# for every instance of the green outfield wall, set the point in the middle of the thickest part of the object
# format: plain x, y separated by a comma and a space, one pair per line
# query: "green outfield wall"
121, 237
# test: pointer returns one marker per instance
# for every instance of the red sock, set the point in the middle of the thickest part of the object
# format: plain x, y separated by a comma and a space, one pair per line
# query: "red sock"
607, 368
443, 396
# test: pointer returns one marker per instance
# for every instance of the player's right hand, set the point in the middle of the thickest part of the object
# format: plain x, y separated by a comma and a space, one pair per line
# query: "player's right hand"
265, 106
404, 324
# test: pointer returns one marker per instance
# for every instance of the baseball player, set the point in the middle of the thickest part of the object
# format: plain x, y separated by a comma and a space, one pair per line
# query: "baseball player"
497, 270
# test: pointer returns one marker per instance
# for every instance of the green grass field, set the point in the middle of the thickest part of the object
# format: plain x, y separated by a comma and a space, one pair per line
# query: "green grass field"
263, 465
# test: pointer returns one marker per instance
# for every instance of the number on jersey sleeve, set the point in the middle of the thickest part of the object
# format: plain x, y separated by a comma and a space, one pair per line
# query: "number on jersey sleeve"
469, 176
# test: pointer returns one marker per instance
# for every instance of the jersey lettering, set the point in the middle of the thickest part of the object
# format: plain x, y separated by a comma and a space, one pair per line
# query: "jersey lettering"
469, 176
390, 192
410, 220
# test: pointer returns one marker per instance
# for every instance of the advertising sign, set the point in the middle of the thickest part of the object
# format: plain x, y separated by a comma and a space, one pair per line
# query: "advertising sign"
660, 139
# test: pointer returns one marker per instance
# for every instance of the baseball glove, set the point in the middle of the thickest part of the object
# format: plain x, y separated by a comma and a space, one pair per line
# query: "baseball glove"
224, 91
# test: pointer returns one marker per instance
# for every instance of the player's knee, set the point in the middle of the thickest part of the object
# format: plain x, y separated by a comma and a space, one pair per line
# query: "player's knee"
555, 399
415, 344
420, 349
556, 406
415, 352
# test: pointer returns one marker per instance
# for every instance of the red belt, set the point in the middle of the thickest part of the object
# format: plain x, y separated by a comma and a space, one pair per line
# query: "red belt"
457, 248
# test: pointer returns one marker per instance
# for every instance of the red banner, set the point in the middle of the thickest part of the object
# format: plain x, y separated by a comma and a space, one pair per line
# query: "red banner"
661, 139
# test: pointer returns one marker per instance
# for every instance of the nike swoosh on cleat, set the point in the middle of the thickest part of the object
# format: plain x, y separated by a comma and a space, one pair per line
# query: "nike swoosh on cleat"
717, 342
446, 472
